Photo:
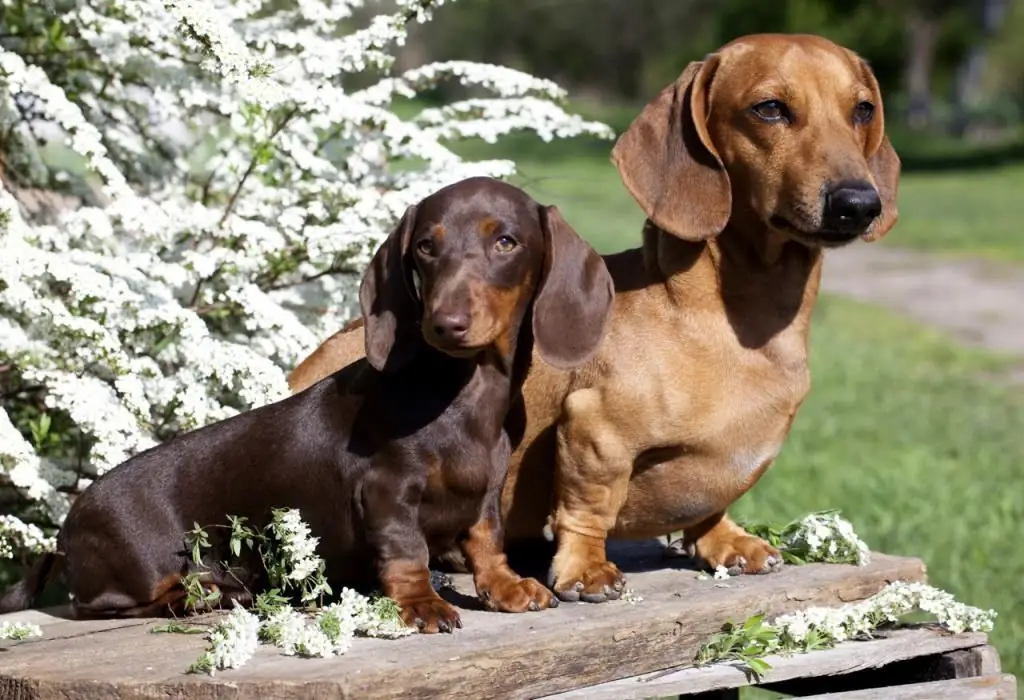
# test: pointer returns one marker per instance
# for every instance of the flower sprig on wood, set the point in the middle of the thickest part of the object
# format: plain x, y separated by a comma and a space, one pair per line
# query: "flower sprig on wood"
287, 552
818, 628
821, 537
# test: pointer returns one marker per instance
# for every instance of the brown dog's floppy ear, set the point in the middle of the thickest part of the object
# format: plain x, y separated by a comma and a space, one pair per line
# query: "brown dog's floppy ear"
668, 163
574, 297
885, 170
389, 308
882, 159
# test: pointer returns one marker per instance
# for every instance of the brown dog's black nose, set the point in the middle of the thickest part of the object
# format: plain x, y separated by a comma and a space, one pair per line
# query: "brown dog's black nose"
850, 207
451, 326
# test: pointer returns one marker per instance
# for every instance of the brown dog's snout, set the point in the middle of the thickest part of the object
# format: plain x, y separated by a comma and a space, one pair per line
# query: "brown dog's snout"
850, 207
450, 326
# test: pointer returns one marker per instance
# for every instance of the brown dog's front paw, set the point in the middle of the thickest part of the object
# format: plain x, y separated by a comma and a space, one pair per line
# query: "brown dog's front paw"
741, 554
594, 582
430, 615
517, 595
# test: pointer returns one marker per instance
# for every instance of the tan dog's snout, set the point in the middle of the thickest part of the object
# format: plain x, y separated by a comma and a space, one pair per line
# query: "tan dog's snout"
850, 207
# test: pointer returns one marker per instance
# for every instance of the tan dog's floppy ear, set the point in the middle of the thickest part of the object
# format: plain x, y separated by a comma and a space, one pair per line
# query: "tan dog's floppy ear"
668, 163
882, 159
388, 306
574, 297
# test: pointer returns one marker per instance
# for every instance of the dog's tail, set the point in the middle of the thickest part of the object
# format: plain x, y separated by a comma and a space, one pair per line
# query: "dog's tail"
21, 595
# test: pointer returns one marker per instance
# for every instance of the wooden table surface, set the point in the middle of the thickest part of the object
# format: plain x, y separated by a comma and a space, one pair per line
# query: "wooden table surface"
494, 656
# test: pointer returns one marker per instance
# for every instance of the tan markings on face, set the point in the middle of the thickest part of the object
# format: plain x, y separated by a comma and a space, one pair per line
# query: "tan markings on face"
492, 312
438, 231
488, 226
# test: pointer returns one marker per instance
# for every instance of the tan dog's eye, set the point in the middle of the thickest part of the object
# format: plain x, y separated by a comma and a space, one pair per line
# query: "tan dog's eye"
863, 112
426, 247
505, 244
772, 111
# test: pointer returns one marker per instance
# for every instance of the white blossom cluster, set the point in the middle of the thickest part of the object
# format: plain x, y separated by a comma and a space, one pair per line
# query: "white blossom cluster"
859, 620
329, 632
296, 550
19, 630
190, 191
232, 642
826, 537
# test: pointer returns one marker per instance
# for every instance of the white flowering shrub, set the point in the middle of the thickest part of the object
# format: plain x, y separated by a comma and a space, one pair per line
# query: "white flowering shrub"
190, 191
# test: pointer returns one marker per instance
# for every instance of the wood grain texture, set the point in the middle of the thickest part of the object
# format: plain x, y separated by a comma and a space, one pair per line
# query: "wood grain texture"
852, 657
495, 655
1000, 687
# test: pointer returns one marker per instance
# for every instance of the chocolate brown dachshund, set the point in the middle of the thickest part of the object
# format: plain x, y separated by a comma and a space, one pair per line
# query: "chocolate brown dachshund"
390, 459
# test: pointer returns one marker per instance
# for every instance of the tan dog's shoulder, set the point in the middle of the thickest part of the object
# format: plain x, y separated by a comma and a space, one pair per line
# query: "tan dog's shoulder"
340, 350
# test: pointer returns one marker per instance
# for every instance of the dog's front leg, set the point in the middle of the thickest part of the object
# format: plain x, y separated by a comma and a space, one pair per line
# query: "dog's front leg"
497, 586
592, 477
391, 517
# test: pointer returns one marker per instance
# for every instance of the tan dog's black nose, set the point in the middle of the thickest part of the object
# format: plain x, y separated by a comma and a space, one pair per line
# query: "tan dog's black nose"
850, 207
450, 326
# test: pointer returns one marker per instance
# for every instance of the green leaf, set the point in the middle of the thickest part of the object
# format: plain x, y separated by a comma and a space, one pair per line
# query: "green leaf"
177, 627
759, 666
753, 622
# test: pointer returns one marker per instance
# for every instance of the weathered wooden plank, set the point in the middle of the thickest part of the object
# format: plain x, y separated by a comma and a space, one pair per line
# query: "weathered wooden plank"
850, 657
495, 655
980, 660
998, 687
966, 663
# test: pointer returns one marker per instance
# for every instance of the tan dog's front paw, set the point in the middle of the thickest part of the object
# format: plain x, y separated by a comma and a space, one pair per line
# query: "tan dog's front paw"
430, 615
517, 595
740, 554
591, 582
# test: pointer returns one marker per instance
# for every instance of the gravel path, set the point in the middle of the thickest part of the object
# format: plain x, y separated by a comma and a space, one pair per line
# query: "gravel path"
978, 302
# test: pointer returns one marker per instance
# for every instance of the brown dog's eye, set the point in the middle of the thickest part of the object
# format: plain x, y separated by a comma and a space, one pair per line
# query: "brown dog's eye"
426, 247
771, 111
863, 112
505, 244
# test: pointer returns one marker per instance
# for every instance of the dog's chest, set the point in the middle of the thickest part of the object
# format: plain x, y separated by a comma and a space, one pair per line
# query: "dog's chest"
458, 482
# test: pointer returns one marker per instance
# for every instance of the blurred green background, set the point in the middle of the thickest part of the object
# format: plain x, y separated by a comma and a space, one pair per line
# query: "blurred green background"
918, 440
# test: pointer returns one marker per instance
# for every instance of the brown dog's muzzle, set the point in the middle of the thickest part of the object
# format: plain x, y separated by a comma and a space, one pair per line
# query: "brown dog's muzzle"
455, 318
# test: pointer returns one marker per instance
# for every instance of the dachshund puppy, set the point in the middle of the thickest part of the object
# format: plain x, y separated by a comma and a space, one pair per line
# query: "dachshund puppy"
391, 459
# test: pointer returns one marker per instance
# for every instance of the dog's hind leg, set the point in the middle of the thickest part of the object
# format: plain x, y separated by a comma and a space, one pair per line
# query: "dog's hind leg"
170, 598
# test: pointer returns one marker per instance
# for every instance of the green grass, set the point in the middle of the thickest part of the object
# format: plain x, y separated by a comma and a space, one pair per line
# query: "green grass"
919, 452
968, 213
901, 431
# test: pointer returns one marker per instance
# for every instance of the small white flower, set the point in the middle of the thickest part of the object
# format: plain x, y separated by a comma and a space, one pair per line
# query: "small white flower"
632, 597
232, 642
19, 630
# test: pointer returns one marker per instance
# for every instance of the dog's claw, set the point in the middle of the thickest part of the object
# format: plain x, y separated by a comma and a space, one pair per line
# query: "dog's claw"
571, 594
738, 566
